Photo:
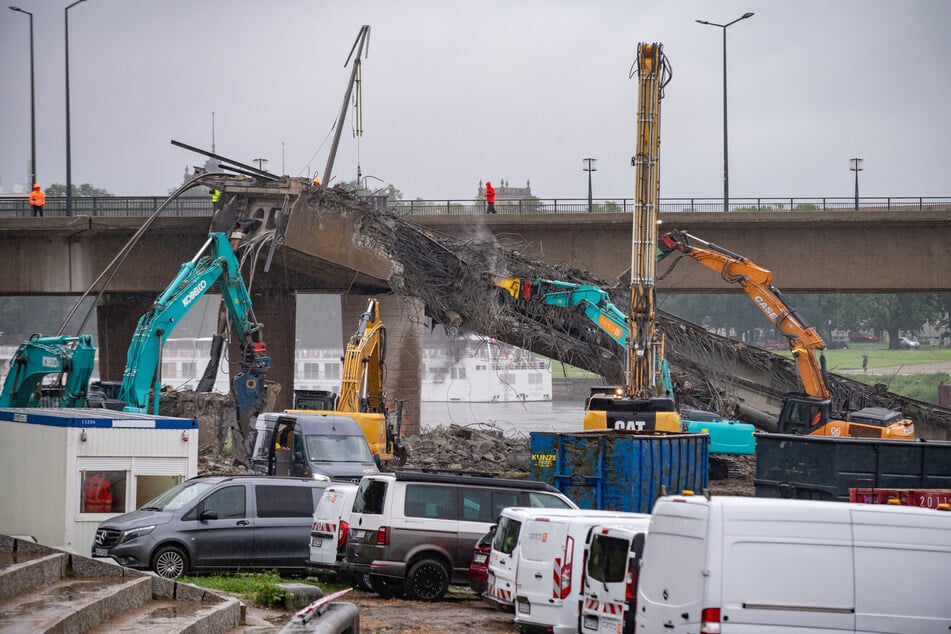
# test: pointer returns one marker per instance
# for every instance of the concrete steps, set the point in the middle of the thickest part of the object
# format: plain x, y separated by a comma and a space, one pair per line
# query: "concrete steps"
50, 591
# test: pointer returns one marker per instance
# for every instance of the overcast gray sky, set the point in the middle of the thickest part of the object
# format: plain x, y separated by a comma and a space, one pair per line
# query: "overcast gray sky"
456, 92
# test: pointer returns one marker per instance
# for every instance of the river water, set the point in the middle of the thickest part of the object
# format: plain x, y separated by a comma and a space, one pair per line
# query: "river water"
513, 418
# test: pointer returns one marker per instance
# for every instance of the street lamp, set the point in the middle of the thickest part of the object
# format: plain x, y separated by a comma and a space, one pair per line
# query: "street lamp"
726, 168
590, 165
32, 105
69, 159
855, 165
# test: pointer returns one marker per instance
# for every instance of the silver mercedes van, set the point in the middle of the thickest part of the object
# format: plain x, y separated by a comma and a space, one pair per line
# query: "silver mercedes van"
214, 524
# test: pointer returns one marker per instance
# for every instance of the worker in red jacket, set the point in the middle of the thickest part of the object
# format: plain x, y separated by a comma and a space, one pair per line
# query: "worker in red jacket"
489, 198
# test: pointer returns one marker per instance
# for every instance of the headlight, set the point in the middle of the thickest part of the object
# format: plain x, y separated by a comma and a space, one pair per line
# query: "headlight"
134, 533
320, 477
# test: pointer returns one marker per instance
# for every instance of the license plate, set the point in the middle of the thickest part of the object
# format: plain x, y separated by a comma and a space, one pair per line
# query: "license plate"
491, 578
479, 558
100, 552
524, 608
359, 534
591, 623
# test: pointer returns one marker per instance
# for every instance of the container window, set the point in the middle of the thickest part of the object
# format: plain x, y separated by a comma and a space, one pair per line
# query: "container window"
370, 497
283, 501
102, 491
151, 486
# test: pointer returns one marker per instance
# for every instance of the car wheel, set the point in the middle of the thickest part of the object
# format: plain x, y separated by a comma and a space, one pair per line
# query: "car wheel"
386, 587
427, 580
362, 581
170, 562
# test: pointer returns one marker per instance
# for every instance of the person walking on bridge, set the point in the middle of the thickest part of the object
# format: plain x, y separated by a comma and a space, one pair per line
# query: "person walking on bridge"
489, 198
37, 200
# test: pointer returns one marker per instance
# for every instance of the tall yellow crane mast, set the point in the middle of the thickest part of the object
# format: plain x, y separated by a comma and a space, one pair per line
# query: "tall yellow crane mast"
643, 403
646, 344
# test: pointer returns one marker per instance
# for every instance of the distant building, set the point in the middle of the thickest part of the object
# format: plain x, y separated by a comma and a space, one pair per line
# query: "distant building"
504, 192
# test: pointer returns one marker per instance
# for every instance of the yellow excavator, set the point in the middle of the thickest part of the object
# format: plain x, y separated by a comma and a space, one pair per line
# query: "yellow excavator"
362, 394
643, 403
810, 412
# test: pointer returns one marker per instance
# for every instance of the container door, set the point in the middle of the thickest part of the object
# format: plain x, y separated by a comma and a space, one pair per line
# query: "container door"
544, 569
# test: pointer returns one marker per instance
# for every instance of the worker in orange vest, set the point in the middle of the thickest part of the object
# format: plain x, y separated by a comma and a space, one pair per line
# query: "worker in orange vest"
37, 200
98, 494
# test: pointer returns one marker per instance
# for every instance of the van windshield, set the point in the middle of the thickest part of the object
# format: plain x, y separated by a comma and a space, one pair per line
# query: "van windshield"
337, 449
178, 496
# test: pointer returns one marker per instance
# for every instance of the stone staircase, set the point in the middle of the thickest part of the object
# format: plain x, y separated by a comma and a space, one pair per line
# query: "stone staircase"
43, 589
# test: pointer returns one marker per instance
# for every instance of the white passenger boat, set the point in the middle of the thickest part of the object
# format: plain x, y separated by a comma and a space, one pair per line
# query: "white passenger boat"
481, 370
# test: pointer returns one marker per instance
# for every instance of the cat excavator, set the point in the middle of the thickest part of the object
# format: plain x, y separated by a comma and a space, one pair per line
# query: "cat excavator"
642, 403
811, 411
362, 394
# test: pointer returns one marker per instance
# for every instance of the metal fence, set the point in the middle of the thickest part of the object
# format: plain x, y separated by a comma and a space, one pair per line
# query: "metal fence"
186, 206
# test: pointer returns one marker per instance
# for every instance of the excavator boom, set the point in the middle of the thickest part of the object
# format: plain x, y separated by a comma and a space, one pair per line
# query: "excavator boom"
142, 374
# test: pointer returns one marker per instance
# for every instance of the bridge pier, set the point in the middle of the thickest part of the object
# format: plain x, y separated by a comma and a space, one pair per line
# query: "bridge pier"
277, 310
404, 320
117, 315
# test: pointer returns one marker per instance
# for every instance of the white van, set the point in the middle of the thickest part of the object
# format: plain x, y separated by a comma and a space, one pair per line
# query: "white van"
741, 565
328, 535
550, 567
414, 532
609, 584
500, 584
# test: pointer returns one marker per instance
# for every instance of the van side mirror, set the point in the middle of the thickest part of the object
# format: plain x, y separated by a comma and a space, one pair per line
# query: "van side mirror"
207, 515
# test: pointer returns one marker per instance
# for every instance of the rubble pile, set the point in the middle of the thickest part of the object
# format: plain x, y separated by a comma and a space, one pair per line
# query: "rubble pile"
478, 448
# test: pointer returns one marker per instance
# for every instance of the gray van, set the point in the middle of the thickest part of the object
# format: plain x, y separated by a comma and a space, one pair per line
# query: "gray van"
319, 446
216, 523
413, 532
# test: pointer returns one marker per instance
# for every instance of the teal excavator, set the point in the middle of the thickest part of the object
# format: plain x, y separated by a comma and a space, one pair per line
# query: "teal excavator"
73, 357
727, 436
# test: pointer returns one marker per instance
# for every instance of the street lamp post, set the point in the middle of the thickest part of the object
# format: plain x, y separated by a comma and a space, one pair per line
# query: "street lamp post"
590, 165
855, 165
726, 163
32, 104
69, 159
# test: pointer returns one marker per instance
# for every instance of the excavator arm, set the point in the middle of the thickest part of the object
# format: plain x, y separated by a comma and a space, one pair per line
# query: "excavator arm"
361, 388
195, 278
595, 302
757, 284
39, 357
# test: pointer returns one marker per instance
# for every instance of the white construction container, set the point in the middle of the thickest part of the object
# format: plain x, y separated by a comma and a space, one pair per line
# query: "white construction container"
63, 471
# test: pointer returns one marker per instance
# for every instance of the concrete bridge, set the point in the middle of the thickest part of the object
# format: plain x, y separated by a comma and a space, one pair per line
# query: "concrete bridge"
839, 251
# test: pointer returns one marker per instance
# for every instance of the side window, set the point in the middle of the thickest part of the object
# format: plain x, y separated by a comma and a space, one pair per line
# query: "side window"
283, 501
546, 500
228, 503
476, 505
506, 535
504, 499
370, 497
432, 501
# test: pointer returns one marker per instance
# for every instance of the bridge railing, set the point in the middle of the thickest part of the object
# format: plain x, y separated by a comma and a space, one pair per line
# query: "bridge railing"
186, 206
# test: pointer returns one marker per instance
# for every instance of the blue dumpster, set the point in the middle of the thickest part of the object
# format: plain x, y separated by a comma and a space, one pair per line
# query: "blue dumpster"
620, 470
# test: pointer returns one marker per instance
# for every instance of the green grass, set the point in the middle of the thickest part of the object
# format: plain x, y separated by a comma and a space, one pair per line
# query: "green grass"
921, 387
263, 588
